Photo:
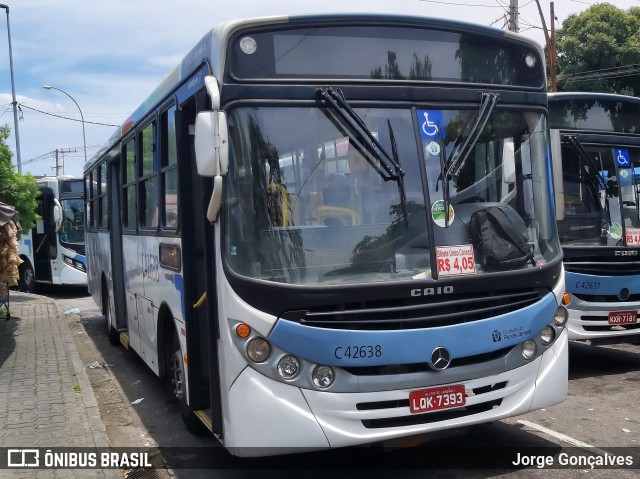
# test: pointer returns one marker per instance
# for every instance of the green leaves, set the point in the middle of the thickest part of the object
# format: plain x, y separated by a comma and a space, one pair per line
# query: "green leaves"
599, 50
17, 190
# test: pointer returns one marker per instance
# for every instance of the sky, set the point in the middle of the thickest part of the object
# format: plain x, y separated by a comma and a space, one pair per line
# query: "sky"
109, 55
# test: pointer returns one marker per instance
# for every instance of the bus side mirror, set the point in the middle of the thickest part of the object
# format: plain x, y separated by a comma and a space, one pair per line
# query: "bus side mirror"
508, 162
57, 214
556, 169
212, 146
211, 143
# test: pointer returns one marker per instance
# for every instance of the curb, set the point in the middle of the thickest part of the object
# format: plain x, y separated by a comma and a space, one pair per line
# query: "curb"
96, 425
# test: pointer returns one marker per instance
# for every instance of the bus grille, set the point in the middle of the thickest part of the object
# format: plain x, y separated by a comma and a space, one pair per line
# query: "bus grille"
417, 313
436, 416
605, 325
599, 265
604, 298
395, 369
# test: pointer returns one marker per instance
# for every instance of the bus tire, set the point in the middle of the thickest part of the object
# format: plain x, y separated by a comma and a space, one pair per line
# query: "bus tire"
112, 333
177, 375
26, 278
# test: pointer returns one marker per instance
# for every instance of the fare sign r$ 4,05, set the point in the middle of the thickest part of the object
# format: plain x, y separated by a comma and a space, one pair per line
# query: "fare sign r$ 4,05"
455, 260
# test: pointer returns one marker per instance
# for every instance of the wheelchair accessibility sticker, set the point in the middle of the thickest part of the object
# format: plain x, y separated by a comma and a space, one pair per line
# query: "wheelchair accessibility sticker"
430, 122
622, 157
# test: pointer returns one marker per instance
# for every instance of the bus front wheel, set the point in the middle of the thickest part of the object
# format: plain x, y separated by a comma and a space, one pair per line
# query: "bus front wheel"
178, 384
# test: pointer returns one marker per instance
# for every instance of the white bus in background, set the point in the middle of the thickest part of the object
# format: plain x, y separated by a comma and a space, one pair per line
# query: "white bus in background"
53, 251
595, 141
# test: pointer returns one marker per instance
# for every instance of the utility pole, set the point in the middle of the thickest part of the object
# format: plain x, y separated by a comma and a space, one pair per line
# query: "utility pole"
553, 64
58, 154
57, 168
513, 24
551, 46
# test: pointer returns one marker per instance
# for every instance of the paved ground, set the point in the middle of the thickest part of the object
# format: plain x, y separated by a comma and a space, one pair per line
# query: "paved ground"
46, 399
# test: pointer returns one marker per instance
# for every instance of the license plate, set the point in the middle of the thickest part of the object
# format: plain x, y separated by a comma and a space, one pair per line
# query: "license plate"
623, 317
433, 399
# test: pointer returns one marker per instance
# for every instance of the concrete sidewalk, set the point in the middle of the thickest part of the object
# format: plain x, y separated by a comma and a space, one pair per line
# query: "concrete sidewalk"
46, 399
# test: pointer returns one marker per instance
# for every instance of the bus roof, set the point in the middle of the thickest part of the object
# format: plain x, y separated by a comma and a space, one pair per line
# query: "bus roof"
606, 113
211, 50
583, 95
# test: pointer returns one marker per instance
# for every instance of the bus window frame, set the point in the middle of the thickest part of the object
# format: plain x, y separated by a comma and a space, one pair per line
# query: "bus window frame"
103, 195
129, 225
146, 176
169, 107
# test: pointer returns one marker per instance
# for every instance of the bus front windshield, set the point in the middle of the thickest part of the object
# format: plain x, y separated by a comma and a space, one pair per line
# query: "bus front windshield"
308, 202
601, 195
72, 226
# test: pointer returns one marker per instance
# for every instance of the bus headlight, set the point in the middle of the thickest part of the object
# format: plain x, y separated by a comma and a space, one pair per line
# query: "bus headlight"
288, 367
529, 350
322, 377
561, 316
258, 350
547, 335
73, 263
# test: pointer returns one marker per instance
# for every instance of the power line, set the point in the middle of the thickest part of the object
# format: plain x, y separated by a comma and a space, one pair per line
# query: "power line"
633, 72
66, 117
461, 4
610, 69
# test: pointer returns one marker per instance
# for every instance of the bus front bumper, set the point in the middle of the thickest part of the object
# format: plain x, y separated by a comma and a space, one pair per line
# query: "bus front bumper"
590, 321
267, 417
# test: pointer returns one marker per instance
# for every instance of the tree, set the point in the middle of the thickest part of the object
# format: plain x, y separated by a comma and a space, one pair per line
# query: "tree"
17, 190
599, 50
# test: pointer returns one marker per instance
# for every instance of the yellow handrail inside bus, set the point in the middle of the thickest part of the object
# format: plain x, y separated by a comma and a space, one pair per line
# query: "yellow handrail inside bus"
200, 301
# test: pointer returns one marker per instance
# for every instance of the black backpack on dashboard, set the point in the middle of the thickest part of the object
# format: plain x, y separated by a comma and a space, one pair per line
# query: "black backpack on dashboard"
498, 235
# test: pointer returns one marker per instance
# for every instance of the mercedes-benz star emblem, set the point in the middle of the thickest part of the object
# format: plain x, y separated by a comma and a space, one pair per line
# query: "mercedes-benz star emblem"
440, 359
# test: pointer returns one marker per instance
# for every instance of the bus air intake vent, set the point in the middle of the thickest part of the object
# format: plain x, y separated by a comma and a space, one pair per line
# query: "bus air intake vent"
604, 298
396, 369
602, 265
416, 313
605, 326
437, 416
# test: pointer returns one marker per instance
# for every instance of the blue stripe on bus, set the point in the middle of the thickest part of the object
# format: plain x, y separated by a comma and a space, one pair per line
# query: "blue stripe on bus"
179, 284
600, 285
329, 346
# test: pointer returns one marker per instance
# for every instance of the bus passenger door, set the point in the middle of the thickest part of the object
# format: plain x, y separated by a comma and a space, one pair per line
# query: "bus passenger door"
199, 268
45, 243
117, 262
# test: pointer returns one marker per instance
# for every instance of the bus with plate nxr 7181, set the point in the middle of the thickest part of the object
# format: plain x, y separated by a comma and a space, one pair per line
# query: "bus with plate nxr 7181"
321, 249
596, 147
53, 251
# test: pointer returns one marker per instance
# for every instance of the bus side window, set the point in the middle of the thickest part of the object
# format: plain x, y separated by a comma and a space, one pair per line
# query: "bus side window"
129, 178
149, 193
169, 168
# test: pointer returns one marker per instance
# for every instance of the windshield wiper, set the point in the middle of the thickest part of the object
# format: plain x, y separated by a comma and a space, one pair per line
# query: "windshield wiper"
594, 175
400, 180
359, 130
471, 132
390, 164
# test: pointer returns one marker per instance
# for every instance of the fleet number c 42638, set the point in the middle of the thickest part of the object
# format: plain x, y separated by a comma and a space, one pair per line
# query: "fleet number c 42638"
358, 352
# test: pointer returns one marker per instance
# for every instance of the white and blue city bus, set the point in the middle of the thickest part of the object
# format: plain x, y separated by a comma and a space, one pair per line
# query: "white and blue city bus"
596, 152
268, 232
53, 251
